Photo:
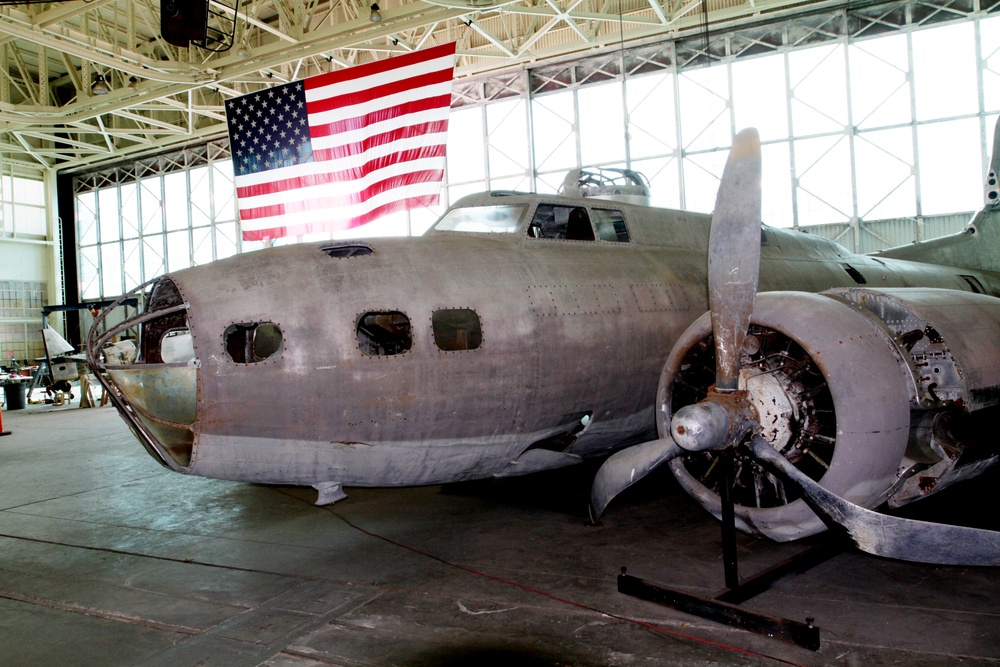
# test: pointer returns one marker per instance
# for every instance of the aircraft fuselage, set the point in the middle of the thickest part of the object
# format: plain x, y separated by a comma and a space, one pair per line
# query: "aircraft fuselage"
452, 356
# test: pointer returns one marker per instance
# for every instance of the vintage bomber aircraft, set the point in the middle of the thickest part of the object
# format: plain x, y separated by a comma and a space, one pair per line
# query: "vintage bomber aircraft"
525, 332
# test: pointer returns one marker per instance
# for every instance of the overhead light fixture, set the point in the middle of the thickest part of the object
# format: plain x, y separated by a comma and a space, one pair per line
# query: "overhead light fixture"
374, 17
100, 85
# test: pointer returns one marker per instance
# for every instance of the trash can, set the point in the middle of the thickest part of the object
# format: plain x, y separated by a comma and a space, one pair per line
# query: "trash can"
14, 394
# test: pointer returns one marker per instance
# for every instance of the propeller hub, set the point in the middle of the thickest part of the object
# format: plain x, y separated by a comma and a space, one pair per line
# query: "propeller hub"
719, 421
700, 426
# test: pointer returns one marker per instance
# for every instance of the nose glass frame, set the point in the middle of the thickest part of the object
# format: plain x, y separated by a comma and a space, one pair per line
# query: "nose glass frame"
147, 366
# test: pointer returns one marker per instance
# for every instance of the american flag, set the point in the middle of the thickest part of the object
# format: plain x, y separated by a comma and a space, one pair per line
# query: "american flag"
341, 149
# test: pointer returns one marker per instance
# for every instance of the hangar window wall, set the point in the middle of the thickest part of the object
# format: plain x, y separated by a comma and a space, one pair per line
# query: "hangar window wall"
162, 214
874, 121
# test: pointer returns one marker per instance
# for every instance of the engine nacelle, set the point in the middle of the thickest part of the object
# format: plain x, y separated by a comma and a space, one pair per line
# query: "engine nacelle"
869, 392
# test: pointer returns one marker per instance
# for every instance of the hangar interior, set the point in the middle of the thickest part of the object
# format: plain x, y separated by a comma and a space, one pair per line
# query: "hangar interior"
876, 121
876, 118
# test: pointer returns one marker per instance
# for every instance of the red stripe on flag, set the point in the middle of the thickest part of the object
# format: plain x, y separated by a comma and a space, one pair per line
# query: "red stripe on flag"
286, 184
357, 197
381, 115
374, 214
377, 92
379, 66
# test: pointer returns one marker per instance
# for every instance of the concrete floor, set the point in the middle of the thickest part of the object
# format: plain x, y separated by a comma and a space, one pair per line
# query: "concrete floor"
107, 558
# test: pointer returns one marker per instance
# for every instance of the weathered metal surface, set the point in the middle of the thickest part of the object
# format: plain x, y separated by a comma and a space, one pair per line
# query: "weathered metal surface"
951, 341
435, 416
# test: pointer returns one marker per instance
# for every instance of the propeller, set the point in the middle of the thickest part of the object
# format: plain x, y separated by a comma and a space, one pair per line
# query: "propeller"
882, 534
733, 265
734, 256
726, 417
733, 268
626, 467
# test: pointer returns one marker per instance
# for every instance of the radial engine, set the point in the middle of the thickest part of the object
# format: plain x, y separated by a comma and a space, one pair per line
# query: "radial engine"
882, 396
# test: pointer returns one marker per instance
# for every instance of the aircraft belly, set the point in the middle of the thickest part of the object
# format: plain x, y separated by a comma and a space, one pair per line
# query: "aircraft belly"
386, 463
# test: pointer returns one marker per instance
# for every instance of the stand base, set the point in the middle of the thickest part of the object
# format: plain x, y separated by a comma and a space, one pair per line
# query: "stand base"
805, 635
723, 607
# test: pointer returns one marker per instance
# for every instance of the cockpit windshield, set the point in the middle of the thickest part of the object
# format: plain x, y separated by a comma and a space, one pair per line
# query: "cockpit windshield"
497, 219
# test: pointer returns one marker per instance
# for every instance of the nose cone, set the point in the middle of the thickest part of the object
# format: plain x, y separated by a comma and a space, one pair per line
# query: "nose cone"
147, 364
164, 400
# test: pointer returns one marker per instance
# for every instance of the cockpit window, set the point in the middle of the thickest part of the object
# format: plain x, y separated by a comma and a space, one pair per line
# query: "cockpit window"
384, 333
253, 342
164, 296
570, 223
610, 225
456, 329
499, 219
177, 347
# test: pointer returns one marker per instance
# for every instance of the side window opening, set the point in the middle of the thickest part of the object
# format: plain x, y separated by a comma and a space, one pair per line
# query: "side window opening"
384, 333
571, 223
610, 225
855, 274
973, 284
347, 249
253, 342
457, 329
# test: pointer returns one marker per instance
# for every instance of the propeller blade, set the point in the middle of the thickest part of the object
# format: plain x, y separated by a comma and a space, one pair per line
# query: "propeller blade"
884, 535
626, 467
734, 255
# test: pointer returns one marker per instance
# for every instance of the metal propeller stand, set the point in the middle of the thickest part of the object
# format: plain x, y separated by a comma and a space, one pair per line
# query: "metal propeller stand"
724, 607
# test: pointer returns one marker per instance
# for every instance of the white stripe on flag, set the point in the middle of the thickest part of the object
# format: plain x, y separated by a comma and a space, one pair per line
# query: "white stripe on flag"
346, 213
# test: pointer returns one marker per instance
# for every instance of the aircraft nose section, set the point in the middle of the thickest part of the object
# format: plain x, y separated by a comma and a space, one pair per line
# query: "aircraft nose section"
147, 364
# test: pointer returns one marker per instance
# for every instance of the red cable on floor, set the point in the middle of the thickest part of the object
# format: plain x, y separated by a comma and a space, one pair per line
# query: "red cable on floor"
537, 591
